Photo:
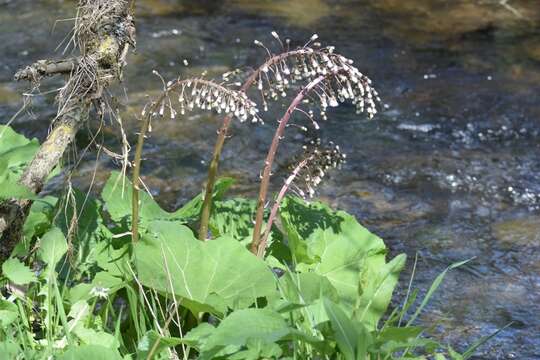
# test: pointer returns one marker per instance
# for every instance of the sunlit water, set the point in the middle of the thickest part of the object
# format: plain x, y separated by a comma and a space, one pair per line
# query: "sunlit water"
450, 170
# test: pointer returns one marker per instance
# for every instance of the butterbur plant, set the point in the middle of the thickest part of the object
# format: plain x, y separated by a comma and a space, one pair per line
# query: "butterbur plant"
151, 289
334, 81
180, 96
289, 69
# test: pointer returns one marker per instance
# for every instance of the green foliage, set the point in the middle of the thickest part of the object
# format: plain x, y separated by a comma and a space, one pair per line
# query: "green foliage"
233, 217
17, 272
117, 196
335, 246
52, 247
94, 352
321, 292
171, 260
15, 152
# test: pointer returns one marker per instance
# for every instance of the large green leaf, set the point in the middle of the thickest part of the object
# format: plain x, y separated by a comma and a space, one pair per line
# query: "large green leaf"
334, 245
8, 313
80, 216
233, 217
12, 190
94, 352
212, 276
376, 287
10, 140
312, 227
17, 272
344, 328
95, 337
52, 247
40, 217
117, 195
306, 288
245, 326
10, 349
152, 341
15, 151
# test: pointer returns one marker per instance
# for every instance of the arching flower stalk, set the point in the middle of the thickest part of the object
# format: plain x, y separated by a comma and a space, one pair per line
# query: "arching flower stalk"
273, 79
304, 179
343, 83
184, 95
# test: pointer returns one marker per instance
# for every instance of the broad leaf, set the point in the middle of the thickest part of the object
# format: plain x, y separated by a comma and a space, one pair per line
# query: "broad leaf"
94, 352
15, 152
243, 326
312, 227
376, 287
233, 217
8, 313
17, 272
334, 245
118, 192
10, 140
52, 247
344, 330
10, 350
153, 341
12, 190
211, 276
40, 217
95, 337
79, 216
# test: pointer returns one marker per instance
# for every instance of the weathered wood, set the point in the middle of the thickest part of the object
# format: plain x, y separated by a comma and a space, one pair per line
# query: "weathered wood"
104, 31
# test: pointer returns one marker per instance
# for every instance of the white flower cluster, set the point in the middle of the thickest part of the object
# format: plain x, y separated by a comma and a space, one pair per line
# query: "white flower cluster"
320, 160
208, 95
345, 81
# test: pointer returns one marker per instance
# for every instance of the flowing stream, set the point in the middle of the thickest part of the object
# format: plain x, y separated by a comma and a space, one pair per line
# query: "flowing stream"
449, 170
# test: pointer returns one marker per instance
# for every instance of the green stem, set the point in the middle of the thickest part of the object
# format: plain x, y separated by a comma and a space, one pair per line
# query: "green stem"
137, 168
136, 180
212, 177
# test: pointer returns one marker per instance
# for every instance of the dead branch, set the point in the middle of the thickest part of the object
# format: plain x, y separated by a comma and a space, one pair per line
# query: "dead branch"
43, 68
104, 30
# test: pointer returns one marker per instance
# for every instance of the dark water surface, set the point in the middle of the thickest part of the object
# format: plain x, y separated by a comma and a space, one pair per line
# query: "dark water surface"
450, 170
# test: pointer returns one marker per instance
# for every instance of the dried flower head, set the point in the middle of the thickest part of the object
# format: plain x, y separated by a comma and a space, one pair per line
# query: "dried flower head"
314, 165
188, 94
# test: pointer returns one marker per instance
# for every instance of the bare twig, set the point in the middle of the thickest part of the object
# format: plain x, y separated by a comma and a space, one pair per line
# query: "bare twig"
42, 68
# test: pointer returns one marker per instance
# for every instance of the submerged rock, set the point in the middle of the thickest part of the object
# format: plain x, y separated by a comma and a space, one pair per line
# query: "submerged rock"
422, 19
518, 232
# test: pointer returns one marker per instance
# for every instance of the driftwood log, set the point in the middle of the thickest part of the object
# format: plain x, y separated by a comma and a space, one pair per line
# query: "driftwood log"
103, 33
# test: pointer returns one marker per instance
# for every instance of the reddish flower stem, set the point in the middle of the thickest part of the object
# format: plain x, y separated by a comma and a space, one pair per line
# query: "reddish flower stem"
273, 213
265, 181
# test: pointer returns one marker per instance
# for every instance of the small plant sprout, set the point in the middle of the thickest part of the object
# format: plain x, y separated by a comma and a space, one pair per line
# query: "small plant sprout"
339, 83
305, 177
187, 95
286, 71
